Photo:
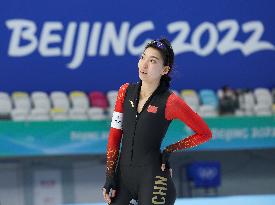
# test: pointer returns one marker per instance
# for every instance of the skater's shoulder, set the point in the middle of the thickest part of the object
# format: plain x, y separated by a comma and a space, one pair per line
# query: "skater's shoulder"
130, 85
123, 87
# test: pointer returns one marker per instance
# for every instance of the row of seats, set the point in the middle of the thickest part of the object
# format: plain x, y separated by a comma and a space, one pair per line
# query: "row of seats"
77, 105
226, 101
57, 105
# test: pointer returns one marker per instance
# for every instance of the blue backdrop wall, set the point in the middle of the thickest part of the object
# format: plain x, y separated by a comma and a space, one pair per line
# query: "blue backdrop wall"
88, 45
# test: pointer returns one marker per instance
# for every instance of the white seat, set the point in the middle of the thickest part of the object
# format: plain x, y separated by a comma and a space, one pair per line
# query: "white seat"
19, 117
207, 111
76, 111
110, 111
38, 117
191, 98
79, 101
80, 105
4, 95
5, 104
111, 96
262, 91
60, 100
21, 100
263, 104
41, 100
22, 106
239, 112
220, 93
39, 114
38, 95
77, 116
248, 103
58, 114
19, 114
39, 111
263, 96
263, 110
42, 106
96, 113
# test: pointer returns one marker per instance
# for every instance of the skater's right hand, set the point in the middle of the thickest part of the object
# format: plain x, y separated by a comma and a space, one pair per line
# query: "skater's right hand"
107, 196
109, 184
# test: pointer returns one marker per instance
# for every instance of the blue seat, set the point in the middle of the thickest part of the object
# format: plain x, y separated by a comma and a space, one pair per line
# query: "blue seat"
208, 97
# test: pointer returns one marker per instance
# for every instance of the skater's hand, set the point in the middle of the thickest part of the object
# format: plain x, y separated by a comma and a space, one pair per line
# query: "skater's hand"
163, 169
107, 196
109, 188
165, 161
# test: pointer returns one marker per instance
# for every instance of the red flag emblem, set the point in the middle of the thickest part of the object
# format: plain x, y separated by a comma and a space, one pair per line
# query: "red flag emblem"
152, 109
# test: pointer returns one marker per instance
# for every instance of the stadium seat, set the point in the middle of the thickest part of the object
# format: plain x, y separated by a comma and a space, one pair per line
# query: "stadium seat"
111, 96
80, 105
58, 114
75, 114
41, 106
247, 102
60, 101
41, 101
38, 114
96, 113
209, 106
5, 106
98, 99
79, 100
263, 106
191, 98
22, 106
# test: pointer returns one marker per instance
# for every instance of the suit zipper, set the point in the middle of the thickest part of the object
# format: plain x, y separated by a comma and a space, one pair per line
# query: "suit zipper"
133, 139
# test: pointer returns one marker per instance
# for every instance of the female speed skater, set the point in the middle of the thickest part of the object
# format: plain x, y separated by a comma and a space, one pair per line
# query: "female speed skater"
143, 111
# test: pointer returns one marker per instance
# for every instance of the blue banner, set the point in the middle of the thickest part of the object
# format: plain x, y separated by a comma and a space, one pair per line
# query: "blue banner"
88, 45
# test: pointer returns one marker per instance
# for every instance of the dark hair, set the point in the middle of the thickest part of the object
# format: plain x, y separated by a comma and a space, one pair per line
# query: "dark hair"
167, 54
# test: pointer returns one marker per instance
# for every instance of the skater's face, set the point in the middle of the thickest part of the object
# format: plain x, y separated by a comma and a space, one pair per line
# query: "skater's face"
151, 66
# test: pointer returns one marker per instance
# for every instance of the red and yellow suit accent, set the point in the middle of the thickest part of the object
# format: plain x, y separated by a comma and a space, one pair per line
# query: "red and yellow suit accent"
115, 134
176, 108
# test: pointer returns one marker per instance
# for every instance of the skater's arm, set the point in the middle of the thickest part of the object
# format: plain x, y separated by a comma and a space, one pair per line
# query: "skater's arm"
176, 108
113, 146
115, 134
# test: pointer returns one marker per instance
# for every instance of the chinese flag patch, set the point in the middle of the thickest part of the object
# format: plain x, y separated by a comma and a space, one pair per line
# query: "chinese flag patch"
152, 109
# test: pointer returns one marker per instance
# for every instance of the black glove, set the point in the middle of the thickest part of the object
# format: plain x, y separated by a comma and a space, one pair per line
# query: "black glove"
165, 159
110, 183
